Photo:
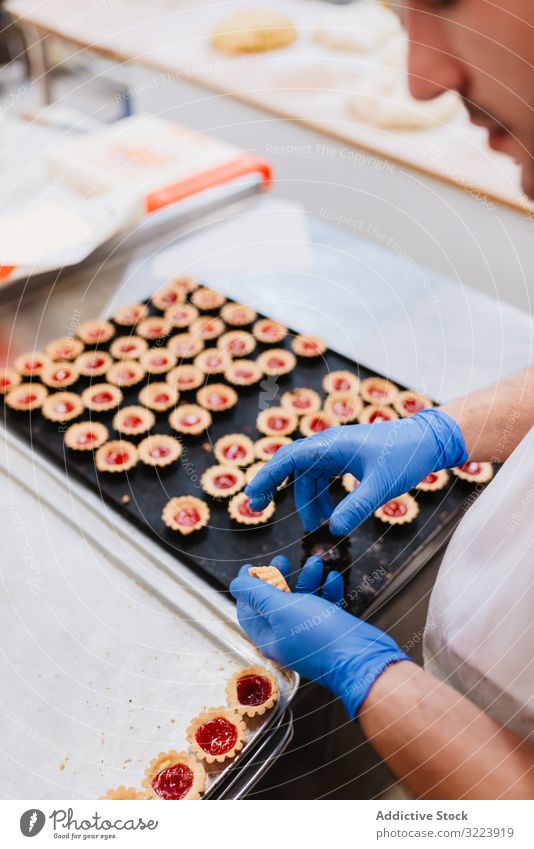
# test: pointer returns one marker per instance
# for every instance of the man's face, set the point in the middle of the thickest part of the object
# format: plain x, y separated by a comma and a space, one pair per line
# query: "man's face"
484, 49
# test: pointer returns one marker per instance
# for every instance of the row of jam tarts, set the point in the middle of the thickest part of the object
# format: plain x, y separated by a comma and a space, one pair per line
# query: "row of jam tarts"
215, 736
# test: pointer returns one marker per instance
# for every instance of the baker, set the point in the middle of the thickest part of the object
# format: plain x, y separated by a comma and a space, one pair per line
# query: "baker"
462, 727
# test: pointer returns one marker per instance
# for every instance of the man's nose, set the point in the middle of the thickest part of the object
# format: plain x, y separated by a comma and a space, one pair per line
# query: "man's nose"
432, 68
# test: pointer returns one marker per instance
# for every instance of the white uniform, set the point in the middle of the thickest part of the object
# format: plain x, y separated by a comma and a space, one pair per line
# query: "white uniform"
480, 629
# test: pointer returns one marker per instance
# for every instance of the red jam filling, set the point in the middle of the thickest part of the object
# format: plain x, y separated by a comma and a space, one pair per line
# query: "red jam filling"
86, 438
301, 402
154, 332
126, 348
5, 381
32, 365
237, 346
342, 409
471, 468
244, 509
174, 782
117, 458
395, 509
244, 374
216, 399
102, 398
275, 362
158, 361
159, 451
277, 423
224, 481
234, 452
126, 374
96, 362
63, 407
187, 516
190, 421
27, 399
161, 398
269, 330
132, 420
378, 416
169, 297
309, 346
213, 362
131, 316
184, 349
272, 448
431, 478
341, 384
253, 690
217, 736
413, 405
61, 374
377, 392
185, 381
317, 425
96, 333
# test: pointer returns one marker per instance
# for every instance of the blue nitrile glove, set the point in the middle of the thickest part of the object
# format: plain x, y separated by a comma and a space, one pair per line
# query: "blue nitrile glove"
314, 635
388, 458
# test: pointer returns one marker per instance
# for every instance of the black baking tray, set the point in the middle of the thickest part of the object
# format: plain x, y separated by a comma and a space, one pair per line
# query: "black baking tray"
374, 559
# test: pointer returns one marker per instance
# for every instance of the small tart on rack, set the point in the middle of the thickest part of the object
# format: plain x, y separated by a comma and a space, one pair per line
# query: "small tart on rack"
345, 406
185, 346
153, 328
101, 397
183, 283
159, 450
271, 575
174, 776
159, 397
217, 397
168, 296
474, 472
123, 793
190, 419
340, 381
158, 360
222, 481
85, 436
60, 374
237, 343
26, 396
399, 510
212, 361
252, 691
31, 364
243, 373
276, 362
253, 470
216, 735
372, 413
118, 455
186, 514
133, 420
313, 423
308, 346
269, 332
349, 482
267, 447
9, 378
62, 407
181, 315
130, 314
125, 373
185, 377
239, 510
276, 421
234, 449
207, 328
64, 348
408, 403
128, 347
93, 363
238, 315
207, 299
95, 331
378, 390
434, 481
301, 401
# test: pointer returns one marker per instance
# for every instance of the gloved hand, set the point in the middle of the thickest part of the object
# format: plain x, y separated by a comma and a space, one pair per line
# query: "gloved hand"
388, 458
314, 635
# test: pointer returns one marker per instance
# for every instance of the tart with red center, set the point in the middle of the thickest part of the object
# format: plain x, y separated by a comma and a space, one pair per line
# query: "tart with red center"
26, 396
301, 401
345, 406
222, 481
378, 390
207, 328
276, 421
125, 373
409, 403
372, 413
183, 283
349, 482
237, 343
308, 346
212, 361
252, 691
217, 397
271, 575
269, 332
190, 419
158, 360
238, 315
133, 420
101, 397
185, 346
85, 436
207, 299
340, 381
243, 373
317, 422
123, 793
31, 364
174, 776
153, 328
276, 362
59, 375
474, 472
116, 456
64, 348
130, 314
186, 514
159, 450
234, 449
95, 331
241, 512
9, 378
168, 296
181, 315
267, 447
434, 481
158, 396
128, 347
62, 407
216, 735
185, 377
93, 363
398, 511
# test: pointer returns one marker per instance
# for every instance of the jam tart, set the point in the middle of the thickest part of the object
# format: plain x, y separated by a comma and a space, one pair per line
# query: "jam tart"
308, 346
128, 347
267, 447
95, 331
123, 793
271, 575
153, 328
243, 373
372, 413
62, 406
181, 315
301, 401
185, 346
26, 396
378, 390
252, 691
399, 510
474, 472
125, 373
234, 449
269, 332
276, 421
101, 397
60, 374
207, 328
133, 420
408, 403
313, 423
85, 436
434, 482
345, 406
9, 378
238, 315
186, 514
222, 481
216, 735
159, 450
130, 314
159, 397
158, 360
237, 343
185, 377
217, 397
276, 362
349, 482
31, 364
93, 363
183, 283
207, 299
190, 419
168, 297
174, 776
118, 455
64, 348
340, 381
212, 361
239, 510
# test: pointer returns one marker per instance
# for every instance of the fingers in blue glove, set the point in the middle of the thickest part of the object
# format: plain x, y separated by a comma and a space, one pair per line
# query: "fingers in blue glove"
282, 564
311, 576
334, 588
263, 488
357, 506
